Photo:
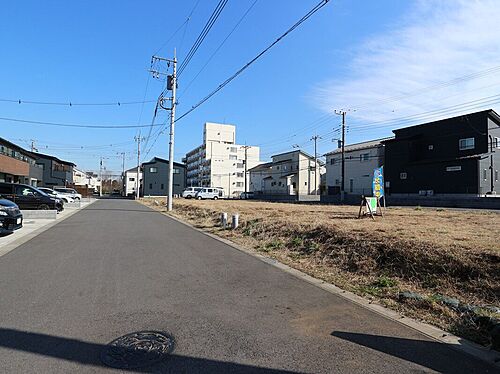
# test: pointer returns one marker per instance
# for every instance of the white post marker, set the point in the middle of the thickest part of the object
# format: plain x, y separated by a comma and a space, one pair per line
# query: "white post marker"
236, 218
223, 220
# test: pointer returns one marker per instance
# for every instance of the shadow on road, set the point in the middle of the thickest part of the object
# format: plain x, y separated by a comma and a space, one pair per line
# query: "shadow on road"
425, 353
86, 353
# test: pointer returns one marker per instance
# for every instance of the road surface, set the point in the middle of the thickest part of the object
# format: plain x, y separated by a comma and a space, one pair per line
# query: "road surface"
118, 267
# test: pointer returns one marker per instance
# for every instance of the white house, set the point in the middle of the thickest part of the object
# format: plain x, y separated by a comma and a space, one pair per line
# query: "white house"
86, 179
290, 173
219, 161
360, 161
130, 181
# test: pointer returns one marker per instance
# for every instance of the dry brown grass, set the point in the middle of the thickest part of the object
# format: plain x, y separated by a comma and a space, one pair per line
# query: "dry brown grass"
431, 251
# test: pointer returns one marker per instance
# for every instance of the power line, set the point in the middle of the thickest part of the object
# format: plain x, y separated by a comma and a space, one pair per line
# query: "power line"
60, 124
71, 104
219, 47
248, 64
203, 34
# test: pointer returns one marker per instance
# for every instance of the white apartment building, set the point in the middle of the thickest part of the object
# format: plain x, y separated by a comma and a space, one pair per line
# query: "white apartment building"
290, 173
360, 161
219, 161
130, 181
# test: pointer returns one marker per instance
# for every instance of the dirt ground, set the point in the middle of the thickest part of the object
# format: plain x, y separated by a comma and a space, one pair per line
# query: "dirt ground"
441, 256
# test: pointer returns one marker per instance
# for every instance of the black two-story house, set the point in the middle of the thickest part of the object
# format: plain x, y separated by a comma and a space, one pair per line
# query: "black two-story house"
454, 156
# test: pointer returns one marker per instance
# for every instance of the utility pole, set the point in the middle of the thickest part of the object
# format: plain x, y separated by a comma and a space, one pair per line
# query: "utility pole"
33, 148
171, 86
138, 139
342, 181
100, 177
123, 170
245, 147
315, 138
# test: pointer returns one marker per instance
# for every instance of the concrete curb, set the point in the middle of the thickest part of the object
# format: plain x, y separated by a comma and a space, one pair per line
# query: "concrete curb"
458, 344
26, 238
39, 214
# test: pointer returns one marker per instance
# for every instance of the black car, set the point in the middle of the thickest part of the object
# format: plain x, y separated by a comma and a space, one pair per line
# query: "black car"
11, 217
29, 198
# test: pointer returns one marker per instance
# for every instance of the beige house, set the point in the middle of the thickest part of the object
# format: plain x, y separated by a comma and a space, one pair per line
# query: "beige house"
290, 173
219, 161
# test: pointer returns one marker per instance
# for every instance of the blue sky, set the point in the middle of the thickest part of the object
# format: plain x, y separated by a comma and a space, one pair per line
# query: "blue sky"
351, 54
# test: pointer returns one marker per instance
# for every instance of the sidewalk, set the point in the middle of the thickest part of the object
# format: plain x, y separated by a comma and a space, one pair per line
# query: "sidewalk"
32, 227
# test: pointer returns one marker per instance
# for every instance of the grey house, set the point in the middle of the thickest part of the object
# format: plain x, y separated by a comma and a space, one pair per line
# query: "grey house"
56, 172
155, 177
457, 156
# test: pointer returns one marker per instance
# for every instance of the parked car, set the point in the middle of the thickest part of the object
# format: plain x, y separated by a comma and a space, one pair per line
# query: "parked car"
69, 192
29, 198
11, 217
190, 192
246, 195
52, 193
209, 193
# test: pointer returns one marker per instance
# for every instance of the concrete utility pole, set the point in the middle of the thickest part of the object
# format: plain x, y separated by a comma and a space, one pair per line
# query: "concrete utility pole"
100, 177
33, 148
171, 86
315, 138
245, 147
123, 169
342, 181
138, 139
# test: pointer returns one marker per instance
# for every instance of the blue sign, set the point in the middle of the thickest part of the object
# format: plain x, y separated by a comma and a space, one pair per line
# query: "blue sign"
378, 182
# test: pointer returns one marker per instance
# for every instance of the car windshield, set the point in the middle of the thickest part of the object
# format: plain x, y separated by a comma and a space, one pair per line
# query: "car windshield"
41, 192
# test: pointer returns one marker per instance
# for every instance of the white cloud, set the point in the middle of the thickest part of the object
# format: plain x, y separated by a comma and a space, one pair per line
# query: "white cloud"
438, 42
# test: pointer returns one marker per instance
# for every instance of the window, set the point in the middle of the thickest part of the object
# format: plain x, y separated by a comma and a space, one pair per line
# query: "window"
277, 167
151, 186
239, 166
403, 175
234, 149
305, 183
239, 175
161, 186
153, 170
337, 182
467, 143
332, 161
233, 157
239, 184
131, 179
496, 175
176, 171
351, 185
430, 147
364, 157
485, 174
279, 184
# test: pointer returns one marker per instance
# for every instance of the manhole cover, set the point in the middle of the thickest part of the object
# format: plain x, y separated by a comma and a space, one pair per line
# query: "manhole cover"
137, 349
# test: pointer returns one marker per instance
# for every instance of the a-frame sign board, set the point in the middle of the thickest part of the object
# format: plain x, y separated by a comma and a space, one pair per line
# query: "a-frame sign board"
370, 206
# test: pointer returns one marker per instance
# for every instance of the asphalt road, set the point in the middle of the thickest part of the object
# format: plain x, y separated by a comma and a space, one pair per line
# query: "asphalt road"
118, 267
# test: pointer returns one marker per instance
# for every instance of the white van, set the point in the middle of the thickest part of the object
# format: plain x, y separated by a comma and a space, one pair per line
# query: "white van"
190, 192
210, 193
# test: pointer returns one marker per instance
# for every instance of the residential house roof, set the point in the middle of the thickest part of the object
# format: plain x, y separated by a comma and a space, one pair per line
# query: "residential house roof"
158, 159
298, 151
261, 167
53, 158
15, 147
360, 146
489, 112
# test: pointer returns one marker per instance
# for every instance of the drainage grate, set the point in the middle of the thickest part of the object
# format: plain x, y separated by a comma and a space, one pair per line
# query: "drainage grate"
137, 349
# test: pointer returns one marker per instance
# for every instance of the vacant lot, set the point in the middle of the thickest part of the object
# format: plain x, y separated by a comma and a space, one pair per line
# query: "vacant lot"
446, 261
